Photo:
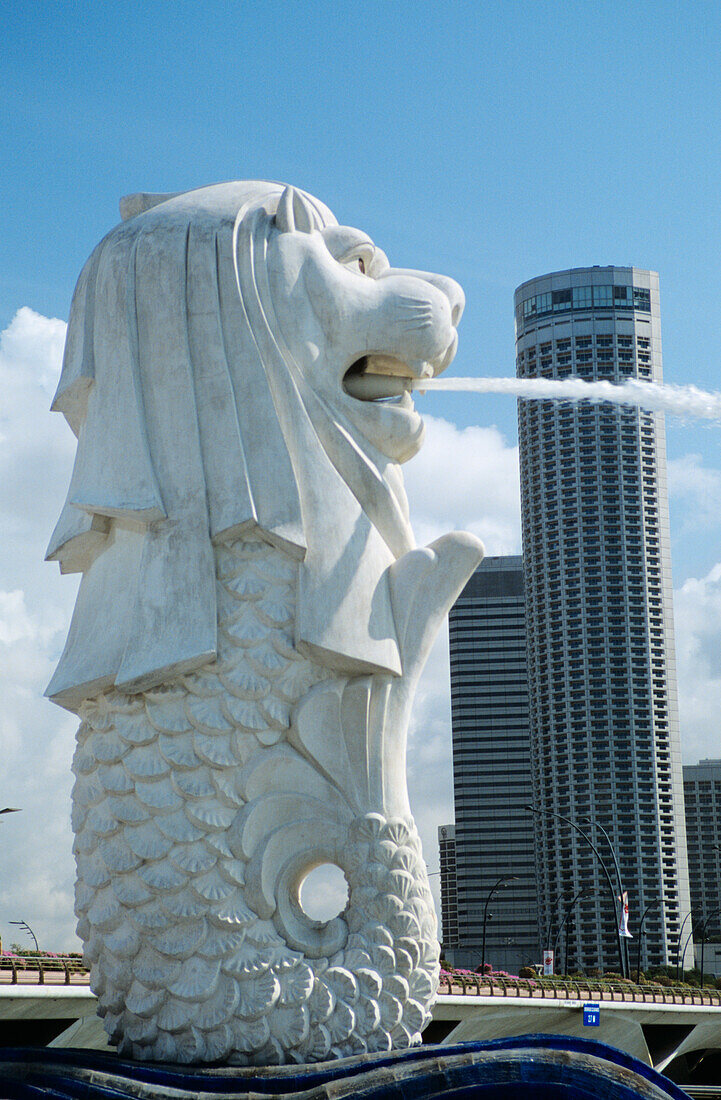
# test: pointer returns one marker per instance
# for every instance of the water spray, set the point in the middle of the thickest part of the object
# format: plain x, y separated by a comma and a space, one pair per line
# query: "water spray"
685, 401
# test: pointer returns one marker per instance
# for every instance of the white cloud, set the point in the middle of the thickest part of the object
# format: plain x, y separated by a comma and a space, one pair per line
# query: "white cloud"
466, 479
36, 739
696, 492
697, 612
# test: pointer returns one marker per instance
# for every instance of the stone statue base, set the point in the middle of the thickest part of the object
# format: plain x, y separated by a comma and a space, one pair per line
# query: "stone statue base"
530, 1066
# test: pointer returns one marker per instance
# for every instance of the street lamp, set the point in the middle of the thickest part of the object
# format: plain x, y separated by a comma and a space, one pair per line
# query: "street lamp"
614, 857
647, 910
683, 953
565, 923
604, 868
547, 940
502, 881
704, 926
24, 924
678, 945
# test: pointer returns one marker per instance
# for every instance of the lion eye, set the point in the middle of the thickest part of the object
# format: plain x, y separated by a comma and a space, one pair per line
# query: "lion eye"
361, 265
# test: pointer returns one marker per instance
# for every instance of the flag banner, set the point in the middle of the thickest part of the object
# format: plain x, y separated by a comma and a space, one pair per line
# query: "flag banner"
623, 924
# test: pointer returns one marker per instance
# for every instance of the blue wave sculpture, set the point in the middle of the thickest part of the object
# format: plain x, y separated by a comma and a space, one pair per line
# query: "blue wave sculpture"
534, 1067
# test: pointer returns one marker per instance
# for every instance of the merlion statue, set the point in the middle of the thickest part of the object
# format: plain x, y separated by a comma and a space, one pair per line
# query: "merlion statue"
250, 626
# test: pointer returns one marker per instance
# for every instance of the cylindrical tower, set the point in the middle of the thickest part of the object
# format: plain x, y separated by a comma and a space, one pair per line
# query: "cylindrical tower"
602, 666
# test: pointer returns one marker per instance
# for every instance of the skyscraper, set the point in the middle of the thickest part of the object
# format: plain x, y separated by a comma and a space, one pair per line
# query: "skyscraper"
602, 672
702, 795
491, 770
449, 897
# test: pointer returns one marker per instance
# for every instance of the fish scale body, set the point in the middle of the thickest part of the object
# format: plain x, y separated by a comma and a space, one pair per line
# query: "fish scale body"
185, 884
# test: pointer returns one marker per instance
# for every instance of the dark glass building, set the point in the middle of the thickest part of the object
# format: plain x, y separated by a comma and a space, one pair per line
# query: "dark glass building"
492, 770
702, 795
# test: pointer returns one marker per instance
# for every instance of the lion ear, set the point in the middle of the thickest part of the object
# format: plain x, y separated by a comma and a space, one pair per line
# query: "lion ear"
294, 213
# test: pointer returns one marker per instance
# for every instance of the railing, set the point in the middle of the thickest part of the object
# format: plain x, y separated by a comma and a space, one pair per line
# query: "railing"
65, 969
587, 990
35, 969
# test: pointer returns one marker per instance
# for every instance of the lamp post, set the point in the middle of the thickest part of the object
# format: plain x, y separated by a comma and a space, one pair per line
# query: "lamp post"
683, 953
566, 924
547, 940
24, 924
678, 945
604, 868
502, 881
646, 911
704, 926
617, 869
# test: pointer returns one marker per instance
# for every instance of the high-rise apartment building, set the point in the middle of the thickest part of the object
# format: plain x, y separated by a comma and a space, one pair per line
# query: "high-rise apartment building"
602, 671
702, 795
491, 770
449, 896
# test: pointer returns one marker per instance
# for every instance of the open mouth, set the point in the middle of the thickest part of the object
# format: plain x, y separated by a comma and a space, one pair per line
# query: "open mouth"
383, 378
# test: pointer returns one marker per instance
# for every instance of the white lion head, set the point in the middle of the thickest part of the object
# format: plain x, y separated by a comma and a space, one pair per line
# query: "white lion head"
237, 361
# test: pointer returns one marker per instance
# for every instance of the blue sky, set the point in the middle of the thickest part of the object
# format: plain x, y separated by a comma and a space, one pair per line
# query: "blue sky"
490, 141
494, 141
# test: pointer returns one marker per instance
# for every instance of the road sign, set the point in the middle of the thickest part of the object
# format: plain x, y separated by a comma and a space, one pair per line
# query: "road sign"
591, 1015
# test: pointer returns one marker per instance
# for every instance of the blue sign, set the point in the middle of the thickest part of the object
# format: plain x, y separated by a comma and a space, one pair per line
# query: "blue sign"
591, 1015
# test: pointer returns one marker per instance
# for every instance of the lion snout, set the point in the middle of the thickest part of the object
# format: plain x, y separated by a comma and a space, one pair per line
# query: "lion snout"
449, 287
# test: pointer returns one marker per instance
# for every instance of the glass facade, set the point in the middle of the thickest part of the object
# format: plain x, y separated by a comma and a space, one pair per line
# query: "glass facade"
491, 770
603, 296
449, 896
702, 793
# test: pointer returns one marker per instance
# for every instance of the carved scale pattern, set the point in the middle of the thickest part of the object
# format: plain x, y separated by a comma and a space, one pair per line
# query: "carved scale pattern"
184, 966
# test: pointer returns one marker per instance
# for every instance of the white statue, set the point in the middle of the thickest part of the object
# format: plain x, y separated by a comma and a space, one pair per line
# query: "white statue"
250, 626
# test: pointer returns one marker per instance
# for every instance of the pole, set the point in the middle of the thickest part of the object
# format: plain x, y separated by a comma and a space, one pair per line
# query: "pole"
705, 925
550, 922
499, 881
640, 934
24, 924
604, 868
617, 868
564, 923
678, 945
685, 948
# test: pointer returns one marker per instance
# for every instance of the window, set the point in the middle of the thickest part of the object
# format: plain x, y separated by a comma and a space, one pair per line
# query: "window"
584, 297
642, 299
